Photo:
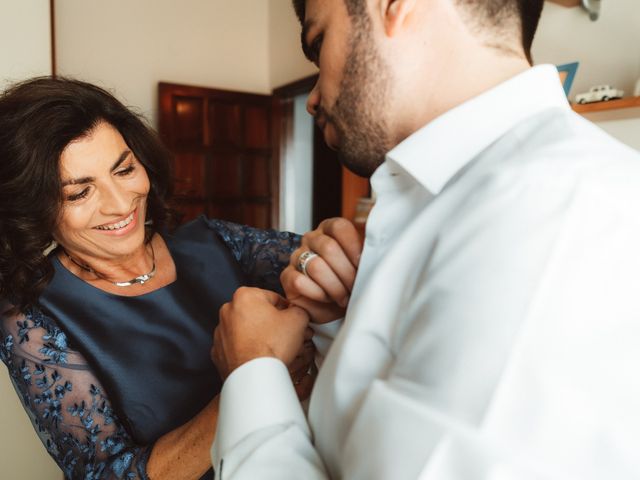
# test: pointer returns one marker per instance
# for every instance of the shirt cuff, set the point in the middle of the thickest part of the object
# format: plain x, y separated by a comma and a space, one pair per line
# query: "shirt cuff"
257, 395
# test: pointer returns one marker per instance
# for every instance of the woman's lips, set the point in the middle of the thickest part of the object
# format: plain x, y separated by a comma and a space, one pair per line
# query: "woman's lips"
122, 227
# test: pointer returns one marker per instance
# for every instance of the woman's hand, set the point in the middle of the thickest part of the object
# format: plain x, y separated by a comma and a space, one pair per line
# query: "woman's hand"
325, 290
303, 368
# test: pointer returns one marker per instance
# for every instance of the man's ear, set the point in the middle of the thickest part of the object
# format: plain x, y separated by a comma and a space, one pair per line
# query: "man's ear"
395, 13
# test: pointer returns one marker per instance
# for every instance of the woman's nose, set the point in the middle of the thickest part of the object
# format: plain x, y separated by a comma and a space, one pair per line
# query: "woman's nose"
114, 201
313, 100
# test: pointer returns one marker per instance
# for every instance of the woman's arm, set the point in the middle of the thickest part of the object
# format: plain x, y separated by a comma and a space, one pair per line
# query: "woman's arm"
184, 452
262, 254
67, 405
73, 416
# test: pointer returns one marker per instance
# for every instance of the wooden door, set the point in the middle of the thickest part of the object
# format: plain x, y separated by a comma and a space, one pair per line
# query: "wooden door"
336, 190
225, 159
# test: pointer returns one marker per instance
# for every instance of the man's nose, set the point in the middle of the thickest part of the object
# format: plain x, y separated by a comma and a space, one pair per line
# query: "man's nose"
313, 100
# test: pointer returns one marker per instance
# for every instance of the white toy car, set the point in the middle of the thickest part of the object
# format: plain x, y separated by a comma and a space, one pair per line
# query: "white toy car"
599, 93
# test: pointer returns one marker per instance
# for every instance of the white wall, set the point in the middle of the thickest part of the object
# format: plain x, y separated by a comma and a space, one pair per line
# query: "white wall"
25, 51
608, 51
129, 46
296, 192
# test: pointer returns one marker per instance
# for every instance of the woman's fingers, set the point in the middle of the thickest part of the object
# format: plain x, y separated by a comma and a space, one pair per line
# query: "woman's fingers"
304, 386
326, 277
301, 364
344, 232
320, 312
334, 259
329, 275
297, 285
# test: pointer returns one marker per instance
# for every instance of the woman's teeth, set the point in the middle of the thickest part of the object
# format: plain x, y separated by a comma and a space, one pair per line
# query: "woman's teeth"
117, 226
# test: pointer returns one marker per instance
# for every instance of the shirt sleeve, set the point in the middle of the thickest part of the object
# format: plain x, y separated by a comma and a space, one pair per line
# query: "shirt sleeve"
66, 403
262, 430
262, 254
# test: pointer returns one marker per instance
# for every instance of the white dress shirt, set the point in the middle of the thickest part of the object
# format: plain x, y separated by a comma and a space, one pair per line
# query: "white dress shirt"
494, 328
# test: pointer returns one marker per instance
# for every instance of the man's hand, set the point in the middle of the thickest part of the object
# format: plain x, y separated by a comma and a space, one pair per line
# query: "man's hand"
257, 323
324, 292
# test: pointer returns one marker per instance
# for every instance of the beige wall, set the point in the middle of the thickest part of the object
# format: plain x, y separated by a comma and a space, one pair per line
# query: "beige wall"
129, 46
25, 51
608, 51
24, 40
287, 63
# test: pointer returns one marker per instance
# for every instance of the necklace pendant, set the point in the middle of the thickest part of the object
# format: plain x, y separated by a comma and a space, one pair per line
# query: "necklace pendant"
140, 279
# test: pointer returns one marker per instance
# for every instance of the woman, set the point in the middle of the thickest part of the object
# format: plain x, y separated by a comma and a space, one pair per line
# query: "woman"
106, 314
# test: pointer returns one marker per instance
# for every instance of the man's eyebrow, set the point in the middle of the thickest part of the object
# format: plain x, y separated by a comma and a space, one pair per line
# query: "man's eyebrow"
77, 181
303, 39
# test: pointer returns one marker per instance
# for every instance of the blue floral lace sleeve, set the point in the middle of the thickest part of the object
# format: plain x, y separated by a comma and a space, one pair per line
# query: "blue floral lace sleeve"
262, 254
66, 403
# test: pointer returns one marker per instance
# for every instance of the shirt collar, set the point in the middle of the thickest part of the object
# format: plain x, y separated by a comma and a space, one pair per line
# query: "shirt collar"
433, 154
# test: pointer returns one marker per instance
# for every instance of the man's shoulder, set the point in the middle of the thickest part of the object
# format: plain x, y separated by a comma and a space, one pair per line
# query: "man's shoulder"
552, 163
558, 149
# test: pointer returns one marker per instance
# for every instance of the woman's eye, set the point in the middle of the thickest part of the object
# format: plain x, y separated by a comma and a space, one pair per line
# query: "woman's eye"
126, 171
77, 196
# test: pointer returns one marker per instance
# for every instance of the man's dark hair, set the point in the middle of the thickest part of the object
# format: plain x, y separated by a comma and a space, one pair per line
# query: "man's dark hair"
528, 12
38, 119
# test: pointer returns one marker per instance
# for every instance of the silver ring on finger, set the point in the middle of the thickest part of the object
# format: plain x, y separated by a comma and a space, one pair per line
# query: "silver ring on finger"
303, 261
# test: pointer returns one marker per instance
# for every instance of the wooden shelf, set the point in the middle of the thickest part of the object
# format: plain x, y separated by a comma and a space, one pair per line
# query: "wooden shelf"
566, 3
622, 109
629, 102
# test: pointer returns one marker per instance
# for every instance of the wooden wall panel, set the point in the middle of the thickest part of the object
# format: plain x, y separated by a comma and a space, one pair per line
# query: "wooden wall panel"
224, 153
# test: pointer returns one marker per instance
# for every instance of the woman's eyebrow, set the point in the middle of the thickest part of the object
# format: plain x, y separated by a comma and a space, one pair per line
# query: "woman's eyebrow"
123, 156
76, 181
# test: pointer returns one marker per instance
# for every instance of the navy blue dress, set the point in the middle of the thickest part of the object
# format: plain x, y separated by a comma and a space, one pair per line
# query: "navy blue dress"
104, 376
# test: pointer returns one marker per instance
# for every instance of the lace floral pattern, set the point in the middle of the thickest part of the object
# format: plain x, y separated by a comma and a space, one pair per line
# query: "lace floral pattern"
68, 406
263, 254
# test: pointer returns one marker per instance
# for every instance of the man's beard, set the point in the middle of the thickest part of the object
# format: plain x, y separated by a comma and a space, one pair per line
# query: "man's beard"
358, 114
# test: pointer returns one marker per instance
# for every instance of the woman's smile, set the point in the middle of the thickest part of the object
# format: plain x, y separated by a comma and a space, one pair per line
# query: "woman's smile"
121, 227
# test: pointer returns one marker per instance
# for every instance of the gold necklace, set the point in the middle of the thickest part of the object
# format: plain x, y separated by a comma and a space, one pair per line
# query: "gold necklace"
141, 279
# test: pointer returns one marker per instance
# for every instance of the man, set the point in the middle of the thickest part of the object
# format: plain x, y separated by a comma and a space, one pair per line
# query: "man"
492, 332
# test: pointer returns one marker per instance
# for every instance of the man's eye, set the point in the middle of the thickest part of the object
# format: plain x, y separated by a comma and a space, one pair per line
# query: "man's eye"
316, 46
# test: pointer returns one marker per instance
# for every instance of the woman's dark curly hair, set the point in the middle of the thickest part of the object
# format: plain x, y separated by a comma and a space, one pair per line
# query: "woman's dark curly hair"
38, 119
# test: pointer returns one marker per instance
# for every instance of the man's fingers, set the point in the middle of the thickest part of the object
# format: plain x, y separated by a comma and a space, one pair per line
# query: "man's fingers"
252, 294
297, 316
